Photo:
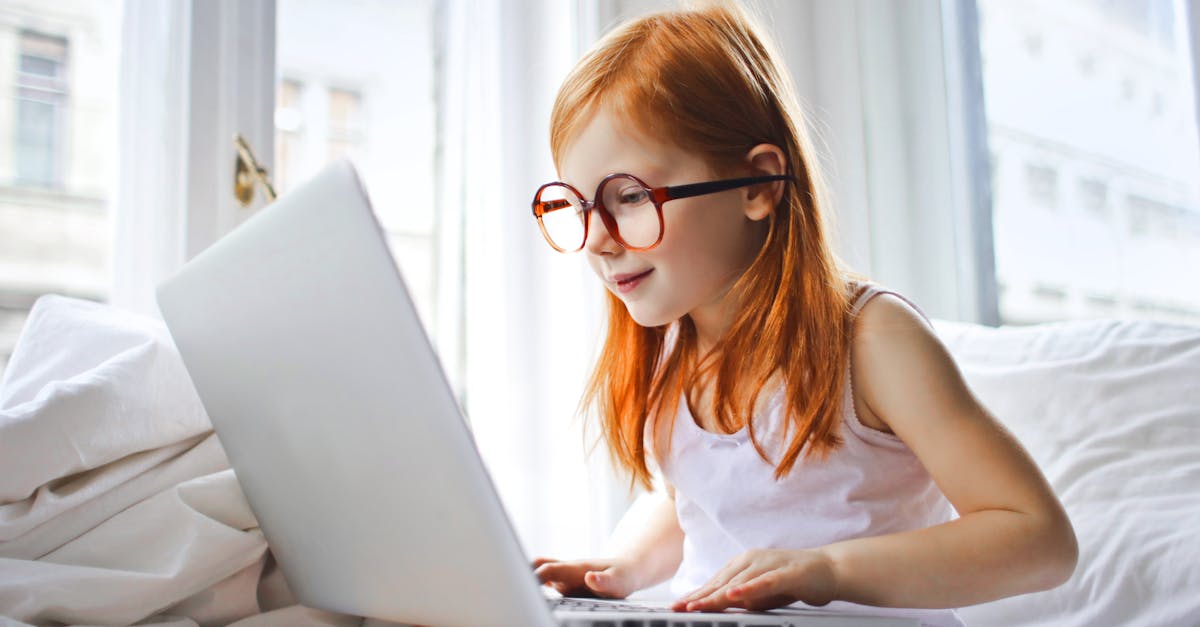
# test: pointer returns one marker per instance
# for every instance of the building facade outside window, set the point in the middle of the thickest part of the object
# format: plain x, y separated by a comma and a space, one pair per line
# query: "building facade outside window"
1096, 162
289, 131
345, 123
348, 87
41, 95
58, 147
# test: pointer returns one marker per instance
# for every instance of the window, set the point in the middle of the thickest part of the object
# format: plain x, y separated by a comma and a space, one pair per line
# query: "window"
345, 123
342, 94
1110, 140
57, 155
1042, 182
289, 129
1093, 197
41, 94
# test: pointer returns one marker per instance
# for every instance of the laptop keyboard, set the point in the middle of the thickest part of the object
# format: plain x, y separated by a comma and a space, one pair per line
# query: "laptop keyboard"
591, 605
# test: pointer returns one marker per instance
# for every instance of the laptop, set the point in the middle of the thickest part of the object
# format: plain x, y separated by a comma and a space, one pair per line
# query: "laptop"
309, 356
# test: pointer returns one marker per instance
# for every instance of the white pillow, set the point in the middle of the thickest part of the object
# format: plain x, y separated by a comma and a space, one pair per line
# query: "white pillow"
1111, 412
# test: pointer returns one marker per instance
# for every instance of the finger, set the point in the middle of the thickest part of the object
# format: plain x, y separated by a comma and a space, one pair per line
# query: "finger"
684, 603
714, 601
681, 604
764, 592
553, 572
718, 581
600, 581
538, 561
721, 598
726, 573
764, 584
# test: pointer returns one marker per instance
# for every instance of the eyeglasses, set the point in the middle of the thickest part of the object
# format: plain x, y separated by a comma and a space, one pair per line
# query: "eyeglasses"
629, 208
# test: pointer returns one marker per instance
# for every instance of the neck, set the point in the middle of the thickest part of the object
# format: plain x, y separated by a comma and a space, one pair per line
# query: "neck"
711, 324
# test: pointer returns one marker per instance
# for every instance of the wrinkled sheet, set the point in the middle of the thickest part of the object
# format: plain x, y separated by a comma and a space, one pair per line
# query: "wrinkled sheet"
1111, 412
117, 505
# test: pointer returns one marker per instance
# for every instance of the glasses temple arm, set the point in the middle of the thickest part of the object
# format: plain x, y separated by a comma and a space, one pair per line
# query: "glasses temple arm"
712, 187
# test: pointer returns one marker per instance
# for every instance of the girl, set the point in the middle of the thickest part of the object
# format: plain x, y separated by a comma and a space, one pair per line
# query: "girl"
811, 431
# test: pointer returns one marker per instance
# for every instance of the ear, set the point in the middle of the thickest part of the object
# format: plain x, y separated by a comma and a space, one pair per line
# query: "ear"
761, 200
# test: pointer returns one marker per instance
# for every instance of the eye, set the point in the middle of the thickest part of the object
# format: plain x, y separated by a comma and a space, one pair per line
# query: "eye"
633, 196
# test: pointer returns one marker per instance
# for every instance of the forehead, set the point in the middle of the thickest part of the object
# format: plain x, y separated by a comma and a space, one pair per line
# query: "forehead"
606, 143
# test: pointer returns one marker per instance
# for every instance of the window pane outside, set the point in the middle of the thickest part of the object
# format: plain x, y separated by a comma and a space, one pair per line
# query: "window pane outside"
58, 134
355, 80
1096, 160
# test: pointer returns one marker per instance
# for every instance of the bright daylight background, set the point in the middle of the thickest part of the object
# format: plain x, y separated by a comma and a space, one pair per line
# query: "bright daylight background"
1006, 161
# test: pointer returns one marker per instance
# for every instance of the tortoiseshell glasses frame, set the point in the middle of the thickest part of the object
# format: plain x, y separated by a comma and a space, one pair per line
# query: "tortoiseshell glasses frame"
557, 196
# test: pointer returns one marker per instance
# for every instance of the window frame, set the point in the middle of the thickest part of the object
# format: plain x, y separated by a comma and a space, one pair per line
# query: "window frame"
192, 75
53, 91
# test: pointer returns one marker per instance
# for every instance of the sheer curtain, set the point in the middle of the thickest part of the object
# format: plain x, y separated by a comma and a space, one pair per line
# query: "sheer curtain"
889, 87
516, 322
193, 73
521, 328
1192, 11
150, 199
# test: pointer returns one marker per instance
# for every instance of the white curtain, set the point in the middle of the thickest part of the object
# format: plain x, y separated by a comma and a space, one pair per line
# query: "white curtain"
519, 331
153, 122
1193, 30
891, 89
516, 323
192, 74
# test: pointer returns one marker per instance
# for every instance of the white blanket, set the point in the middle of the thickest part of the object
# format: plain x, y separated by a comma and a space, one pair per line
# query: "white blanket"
1111, 412
116, 502
117, 505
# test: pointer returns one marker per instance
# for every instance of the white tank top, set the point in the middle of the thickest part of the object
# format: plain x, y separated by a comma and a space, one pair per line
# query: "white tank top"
728, 500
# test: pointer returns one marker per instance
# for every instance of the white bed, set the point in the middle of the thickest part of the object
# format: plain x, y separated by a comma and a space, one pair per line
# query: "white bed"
1111, 412
116, 505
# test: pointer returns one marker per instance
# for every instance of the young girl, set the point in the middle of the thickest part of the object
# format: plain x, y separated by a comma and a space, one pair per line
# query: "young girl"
811, 431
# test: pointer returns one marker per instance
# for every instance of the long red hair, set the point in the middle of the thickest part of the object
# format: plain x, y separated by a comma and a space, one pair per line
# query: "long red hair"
707, 81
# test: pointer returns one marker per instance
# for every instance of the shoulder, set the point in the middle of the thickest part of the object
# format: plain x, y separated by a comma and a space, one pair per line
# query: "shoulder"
894, 354
887, 313
888, 329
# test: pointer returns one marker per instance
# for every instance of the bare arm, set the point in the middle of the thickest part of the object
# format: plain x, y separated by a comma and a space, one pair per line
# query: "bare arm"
648, 555
658, 548
1013, 535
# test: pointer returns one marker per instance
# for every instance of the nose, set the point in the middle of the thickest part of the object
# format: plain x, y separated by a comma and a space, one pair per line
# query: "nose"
599, 241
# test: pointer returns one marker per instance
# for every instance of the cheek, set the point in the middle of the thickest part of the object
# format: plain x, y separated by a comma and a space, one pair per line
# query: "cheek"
594, 264
707, 237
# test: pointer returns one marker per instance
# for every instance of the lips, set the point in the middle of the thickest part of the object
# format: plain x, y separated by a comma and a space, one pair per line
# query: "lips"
627, 282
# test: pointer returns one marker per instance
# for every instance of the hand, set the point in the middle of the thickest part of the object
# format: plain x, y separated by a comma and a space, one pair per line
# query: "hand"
611, 579
763, 579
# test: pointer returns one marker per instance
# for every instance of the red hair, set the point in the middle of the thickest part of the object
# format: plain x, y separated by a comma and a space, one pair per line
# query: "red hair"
706, 81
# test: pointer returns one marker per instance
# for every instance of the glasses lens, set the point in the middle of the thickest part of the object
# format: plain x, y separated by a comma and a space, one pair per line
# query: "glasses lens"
562, 216
630, 205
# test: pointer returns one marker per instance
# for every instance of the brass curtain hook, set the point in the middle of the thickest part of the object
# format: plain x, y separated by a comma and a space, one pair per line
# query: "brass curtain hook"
246, 172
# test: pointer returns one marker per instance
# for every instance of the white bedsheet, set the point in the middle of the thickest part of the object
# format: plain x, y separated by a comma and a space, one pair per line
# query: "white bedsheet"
117, 505
116, 502
1111, 412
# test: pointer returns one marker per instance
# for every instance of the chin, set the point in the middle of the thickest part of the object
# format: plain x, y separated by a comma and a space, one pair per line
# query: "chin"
647, 317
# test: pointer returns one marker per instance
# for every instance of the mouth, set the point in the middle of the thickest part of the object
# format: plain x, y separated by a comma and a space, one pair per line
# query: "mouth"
625, 283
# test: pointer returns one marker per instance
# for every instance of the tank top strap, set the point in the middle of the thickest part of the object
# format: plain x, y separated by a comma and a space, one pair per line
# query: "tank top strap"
864, 291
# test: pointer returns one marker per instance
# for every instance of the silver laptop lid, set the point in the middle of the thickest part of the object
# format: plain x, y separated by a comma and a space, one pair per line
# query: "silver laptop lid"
307, 351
